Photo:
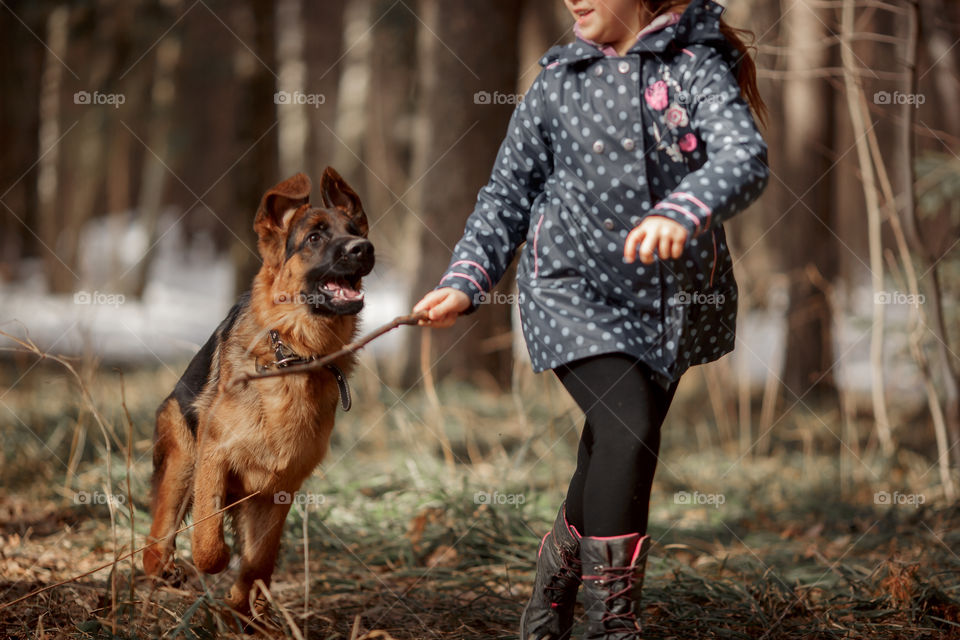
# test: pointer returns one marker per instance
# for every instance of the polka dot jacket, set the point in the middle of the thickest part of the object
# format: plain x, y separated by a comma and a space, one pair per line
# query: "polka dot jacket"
598, 143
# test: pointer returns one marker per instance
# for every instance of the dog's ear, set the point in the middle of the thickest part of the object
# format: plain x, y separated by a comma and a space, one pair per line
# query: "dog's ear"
337, 194
276, 209
290, 194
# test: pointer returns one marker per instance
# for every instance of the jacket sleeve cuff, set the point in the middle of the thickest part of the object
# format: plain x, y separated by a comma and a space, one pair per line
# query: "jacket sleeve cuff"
466, 284
686, 209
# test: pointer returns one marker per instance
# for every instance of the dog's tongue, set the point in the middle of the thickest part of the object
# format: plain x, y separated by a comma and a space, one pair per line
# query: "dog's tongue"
342, 291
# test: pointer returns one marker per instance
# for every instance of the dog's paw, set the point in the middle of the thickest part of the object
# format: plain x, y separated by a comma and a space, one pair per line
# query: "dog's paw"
157, 562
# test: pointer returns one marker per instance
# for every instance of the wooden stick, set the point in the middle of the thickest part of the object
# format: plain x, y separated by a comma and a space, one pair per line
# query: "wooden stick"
319, 363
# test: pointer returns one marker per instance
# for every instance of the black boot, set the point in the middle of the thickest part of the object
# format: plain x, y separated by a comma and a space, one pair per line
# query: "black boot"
549, 614
613, 569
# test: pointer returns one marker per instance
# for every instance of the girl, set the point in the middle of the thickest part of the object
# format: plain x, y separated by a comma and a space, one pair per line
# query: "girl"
637, 140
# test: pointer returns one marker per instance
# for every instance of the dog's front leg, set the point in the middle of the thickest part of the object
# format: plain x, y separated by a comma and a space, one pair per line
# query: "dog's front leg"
260, 527
210, 551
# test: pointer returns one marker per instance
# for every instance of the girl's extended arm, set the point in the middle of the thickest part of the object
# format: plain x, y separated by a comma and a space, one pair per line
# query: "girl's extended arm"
499, 222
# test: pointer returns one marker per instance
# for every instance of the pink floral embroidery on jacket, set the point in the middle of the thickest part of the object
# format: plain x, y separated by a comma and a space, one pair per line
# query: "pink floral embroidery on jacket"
676, 116
656, 95
688, 143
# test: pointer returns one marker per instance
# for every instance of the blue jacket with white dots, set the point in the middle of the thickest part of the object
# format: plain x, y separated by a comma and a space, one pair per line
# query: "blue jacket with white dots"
599, 142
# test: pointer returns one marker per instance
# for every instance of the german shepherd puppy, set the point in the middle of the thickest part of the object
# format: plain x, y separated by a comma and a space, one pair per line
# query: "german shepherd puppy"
216, 443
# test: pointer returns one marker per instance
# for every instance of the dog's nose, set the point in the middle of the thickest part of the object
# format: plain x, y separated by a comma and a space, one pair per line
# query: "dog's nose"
360, 249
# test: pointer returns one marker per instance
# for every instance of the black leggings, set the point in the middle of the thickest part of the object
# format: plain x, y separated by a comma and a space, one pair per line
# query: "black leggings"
609, 493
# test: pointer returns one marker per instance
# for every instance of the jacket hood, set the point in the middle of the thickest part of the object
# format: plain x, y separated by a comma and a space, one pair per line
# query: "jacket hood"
699, 24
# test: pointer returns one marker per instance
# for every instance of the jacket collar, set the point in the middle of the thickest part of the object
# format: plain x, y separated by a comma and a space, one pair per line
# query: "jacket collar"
699, 23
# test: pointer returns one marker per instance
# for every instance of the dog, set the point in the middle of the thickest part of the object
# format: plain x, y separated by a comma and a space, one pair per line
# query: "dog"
215, 442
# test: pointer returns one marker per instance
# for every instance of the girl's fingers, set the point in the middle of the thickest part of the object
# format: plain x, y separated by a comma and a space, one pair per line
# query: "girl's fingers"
445, 307
677, 248
647, 247
630, 246
666, 246
443, 323
427, 301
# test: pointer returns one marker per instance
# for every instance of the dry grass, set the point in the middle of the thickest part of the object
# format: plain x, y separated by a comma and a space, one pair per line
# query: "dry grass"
398, 546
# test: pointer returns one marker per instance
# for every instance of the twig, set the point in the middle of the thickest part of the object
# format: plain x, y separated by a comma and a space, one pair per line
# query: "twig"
319, 363
874, 223
260, 584
123, 557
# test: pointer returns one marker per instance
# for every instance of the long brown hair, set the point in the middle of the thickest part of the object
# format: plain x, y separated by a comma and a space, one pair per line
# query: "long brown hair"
746, 68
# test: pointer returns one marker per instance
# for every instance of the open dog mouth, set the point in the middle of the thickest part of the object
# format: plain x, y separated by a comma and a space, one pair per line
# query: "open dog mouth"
340, 289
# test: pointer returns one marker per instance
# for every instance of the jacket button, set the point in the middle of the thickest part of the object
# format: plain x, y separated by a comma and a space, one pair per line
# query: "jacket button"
598, 146
629, 144
608, 224
623, 67
598, 70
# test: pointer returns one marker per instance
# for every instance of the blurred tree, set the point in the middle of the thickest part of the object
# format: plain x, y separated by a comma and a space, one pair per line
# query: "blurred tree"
50, 223
464, 47
390, 110
20, 68
257, 169
805, 234
158, 123
323, 25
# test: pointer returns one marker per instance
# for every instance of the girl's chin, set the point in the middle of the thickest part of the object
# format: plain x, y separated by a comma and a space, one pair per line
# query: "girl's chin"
592, 33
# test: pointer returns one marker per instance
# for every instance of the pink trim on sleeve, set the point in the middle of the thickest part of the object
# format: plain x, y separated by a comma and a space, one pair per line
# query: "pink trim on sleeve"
670, 205
691, 198
478, 266
464, 276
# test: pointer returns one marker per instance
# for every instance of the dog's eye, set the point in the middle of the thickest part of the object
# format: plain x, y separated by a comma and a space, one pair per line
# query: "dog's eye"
313, 237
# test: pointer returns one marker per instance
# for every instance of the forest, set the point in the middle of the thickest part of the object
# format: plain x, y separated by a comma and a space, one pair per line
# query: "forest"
807, 484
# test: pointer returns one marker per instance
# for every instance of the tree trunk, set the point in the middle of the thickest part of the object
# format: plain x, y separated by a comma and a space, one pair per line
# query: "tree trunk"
155, 170
292, 129
805, 235
20, 71
256, 171
389, 135
323, 52
904, 182
59, 274
465, 47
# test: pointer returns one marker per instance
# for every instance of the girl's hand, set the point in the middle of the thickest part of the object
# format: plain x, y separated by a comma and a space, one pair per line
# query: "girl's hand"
443, 306
655, 234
